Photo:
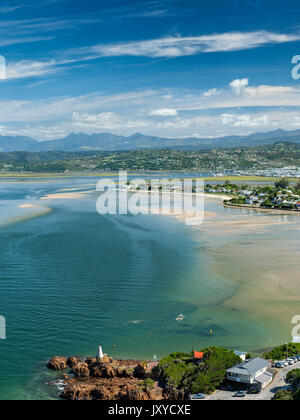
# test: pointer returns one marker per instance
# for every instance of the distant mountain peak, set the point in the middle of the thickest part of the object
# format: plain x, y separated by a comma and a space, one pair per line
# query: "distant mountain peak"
112, 142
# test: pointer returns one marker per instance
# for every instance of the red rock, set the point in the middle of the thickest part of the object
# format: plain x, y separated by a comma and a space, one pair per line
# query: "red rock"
140, 371
72, 361
57, 363
81, 370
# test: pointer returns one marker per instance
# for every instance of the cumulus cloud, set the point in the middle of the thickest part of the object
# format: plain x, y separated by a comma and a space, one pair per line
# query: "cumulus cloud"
239, 85
157, 112
166, 112
246, 120
212, 92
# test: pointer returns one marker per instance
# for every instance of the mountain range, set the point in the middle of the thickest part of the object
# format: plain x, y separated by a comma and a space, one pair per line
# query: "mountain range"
112, 142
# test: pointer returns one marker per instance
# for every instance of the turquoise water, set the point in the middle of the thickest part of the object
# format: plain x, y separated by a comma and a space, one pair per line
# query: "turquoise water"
71, 279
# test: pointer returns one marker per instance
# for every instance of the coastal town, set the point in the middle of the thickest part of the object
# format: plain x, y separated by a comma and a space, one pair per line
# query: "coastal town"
282, 195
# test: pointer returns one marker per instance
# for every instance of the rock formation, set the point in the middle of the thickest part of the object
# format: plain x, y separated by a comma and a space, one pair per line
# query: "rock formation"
81, 370
58, 363
109, 379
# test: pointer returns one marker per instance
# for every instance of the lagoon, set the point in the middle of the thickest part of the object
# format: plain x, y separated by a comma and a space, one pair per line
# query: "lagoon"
71, 279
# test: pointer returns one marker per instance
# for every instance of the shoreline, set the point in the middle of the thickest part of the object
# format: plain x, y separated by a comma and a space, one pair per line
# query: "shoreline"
38, 175
263, 210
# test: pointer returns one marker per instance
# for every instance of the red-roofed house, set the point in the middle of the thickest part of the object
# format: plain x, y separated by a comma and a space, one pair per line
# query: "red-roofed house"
198, 355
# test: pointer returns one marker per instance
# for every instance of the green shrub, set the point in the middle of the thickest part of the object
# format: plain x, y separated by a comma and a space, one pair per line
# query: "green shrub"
293, 378
173, 368
147, 384
202, 383
181, 370
283, 396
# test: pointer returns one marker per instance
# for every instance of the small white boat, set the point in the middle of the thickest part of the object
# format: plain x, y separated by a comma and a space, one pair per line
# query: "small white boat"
180, 318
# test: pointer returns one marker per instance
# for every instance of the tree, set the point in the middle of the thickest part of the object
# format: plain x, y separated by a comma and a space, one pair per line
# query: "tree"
282, 184
283, 396
281, 352
293, 378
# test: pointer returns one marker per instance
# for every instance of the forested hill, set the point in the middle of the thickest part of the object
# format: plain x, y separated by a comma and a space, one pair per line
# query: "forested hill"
262, 157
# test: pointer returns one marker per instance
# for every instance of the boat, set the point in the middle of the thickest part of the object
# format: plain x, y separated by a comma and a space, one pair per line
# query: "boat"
180, 318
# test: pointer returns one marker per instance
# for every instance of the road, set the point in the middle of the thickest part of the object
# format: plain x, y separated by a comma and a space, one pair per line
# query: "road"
267, 394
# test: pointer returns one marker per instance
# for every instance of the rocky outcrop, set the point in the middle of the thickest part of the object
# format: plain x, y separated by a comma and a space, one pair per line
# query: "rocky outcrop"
72, 362
140, 371
91, 360
109, 379
173, 394
58, 363
111, 370
102, 389
81, 370
133, 393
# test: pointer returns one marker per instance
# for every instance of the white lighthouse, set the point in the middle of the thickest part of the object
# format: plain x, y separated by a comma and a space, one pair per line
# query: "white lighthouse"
100, 354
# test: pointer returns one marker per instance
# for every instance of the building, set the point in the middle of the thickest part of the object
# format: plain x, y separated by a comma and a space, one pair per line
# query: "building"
253, 372
198, 355
242, 355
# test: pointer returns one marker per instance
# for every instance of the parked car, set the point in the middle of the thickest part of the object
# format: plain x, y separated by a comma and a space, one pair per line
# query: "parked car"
199, 397
240, 394
254, 391
279, 365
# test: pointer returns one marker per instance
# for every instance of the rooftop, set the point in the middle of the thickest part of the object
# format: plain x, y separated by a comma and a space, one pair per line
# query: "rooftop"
251, 366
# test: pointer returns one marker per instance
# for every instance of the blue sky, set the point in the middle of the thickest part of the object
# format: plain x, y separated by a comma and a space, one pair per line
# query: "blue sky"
169, 68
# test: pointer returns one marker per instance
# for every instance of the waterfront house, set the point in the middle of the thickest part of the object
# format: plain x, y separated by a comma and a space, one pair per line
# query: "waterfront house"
252, 372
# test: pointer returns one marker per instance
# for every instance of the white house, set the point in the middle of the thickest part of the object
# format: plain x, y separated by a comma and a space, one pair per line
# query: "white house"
252, 372
242, 355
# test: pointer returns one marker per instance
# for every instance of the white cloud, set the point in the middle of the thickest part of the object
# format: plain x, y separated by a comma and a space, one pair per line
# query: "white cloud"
212, 92
185, 46
63, 107
8, 9
104, 121
25, 69
166, 112
267, 107
239, 85
246, 120
169, 47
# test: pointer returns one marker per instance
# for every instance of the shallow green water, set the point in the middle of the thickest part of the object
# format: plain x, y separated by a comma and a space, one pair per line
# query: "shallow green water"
72, 279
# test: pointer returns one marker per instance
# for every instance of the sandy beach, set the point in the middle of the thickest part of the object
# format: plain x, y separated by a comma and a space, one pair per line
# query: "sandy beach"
26, 206
66, 195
